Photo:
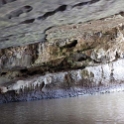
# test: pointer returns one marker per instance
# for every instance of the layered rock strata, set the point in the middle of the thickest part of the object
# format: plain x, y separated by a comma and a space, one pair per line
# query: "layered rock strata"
60, 48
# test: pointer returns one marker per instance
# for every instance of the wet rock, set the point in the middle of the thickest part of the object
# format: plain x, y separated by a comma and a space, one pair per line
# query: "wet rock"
52, 49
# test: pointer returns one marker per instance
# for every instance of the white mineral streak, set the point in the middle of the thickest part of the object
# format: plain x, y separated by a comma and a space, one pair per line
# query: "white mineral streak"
101, 74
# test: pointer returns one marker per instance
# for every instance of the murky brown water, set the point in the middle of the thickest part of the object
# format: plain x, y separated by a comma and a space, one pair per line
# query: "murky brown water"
96, 109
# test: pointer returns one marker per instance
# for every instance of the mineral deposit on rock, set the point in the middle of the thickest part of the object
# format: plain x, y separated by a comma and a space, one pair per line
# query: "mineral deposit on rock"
60, 48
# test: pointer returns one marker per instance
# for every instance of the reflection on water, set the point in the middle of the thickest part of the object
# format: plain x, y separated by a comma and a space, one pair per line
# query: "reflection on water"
97, 109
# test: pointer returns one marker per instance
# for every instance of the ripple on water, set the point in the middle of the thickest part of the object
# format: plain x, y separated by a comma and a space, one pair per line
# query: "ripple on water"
95, 109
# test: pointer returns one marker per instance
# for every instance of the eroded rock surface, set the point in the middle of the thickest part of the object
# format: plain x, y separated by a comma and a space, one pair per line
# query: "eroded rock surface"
56, 48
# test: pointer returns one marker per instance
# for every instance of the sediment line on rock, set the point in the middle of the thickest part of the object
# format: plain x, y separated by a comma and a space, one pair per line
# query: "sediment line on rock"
12, 96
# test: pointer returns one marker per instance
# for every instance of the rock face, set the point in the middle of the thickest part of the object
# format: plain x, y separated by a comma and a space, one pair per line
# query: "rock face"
51, 49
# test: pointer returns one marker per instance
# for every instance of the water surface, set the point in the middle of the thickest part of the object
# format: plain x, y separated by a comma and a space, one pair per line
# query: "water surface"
95, 109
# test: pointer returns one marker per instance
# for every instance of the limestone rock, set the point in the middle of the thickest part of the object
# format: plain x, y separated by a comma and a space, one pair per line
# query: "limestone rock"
53, 48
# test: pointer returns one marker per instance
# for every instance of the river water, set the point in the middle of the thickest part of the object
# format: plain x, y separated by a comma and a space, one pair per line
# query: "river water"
94, 109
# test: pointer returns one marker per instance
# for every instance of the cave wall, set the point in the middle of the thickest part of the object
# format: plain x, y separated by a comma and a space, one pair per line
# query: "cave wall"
56, 48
